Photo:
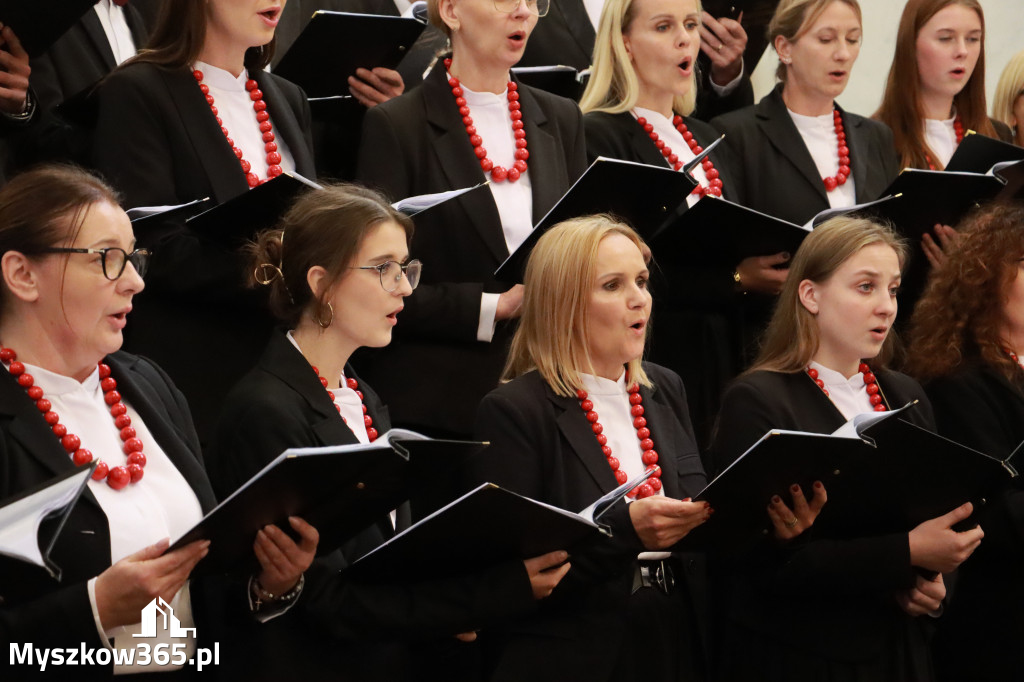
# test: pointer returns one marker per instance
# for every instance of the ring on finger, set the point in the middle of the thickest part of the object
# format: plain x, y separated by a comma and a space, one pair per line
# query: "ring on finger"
792, 522
719, 48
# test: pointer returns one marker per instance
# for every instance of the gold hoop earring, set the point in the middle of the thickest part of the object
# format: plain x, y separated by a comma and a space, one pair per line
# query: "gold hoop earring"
325, 325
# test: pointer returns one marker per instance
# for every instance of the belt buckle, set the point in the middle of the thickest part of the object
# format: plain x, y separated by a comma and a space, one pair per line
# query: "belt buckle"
659, 575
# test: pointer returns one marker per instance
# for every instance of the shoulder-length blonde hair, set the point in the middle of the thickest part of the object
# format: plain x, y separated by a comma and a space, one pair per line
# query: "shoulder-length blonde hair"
553, 336
792, 337
961, 314
1009, 87
901, 107
613, 86
793, 18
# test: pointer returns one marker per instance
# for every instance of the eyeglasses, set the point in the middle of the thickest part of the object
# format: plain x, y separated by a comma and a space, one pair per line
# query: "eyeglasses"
538, 7
113, 259
391, 273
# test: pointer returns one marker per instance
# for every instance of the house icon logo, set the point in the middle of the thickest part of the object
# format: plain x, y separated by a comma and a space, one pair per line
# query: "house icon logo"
156, 610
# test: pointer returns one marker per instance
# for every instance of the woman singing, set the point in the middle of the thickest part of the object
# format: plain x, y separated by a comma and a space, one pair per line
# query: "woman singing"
194, 116
69, 397
966, 342
339, 272
834, 609
469, 122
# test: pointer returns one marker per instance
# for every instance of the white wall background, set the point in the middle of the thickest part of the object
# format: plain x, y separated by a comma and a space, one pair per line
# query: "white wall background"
1004, 37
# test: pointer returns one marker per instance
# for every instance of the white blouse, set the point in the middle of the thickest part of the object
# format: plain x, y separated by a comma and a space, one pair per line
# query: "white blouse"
116, 30
161, 505
850, 396
347, 399
941, 139
819, 135
235, 110
674, 139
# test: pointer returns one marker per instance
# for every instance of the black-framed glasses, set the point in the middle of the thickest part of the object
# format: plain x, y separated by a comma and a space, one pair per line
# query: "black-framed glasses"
113, 259
391, 273
538, 7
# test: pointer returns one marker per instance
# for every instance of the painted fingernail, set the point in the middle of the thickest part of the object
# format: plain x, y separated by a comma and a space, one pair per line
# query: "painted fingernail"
795, 488
818, 485
776, 499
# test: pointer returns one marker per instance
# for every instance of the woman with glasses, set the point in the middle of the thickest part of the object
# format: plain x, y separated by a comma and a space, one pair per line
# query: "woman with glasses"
70, 398
195, 115
966, 342
338, 271
469, 122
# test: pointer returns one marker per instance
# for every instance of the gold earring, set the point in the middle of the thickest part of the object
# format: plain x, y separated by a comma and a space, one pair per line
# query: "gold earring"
325, 325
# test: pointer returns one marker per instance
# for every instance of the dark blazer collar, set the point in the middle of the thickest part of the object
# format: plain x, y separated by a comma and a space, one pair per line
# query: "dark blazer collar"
777, 125
576, 429
455, 156
284, 361
215, 155
35, 436
640, 140
578, 22
98, 37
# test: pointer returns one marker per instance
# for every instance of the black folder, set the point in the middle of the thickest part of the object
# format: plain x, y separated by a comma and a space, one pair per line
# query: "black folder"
563, 81
37, 515
236, 220
717, 231
334, 44
39, 23
641, 195
340, 490
484, 527
930, 197
978, 153
892, 478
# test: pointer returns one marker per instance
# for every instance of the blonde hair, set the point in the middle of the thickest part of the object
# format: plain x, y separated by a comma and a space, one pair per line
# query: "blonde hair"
613, 86
792, 337
1009, 87
793, 18
553, 337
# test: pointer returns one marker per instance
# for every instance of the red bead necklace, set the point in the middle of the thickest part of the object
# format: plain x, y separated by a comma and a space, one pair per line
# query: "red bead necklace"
117, 477
870, 385
649, 456
371, 433
844, 155
958, 129
714, 182
498, 173
1013, 356
262, 117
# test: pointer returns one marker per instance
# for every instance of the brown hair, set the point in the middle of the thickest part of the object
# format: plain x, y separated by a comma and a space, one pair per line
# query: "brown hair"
552, 335
792, 337
324, 227
46, 206
901, 107
180, 32
960, 315
793, 18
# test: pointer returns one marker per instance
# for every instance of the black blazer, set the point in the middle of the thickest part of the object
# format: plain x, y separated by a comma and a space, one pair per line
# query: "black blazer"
339, 629
417, 144
776, 174
542, 447
158, 143
979, 636
34, 607
817, 598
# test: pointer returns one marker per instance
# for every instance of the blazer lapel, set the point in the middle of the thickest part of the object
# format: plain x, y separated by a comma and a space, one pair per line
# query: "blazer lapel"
662, 423
857, 144
455, 158
641, 141
577, 432
31, 431
172, 440
545, 155
94, 29
578, 22
211, 147
287, 125
781, 132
